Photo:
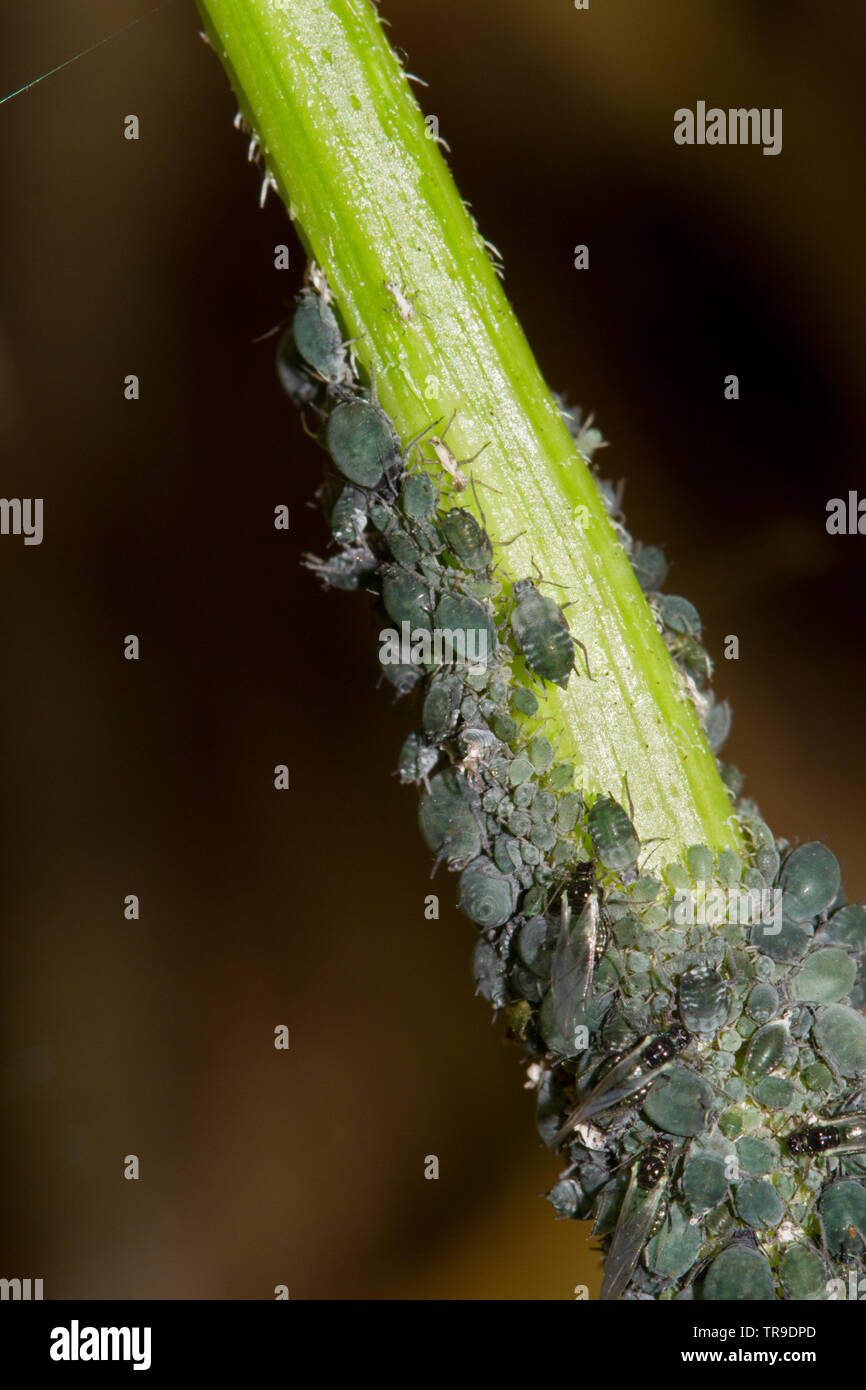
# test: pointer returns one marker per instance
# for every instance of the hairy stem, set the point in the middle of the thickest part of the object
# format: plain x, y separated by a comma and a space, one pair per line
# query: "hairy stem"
373, 200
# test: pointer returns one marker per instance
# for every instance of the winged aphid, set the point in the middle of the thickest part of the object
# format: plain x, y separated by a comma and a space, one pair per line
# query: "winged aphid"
631, 1076
836, 1137
581, 941
637, 1217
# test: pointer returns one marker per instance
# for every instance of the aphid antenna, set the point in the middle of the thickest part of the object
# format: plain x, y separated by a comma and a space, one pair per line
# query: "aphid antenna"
662, 974
472, 457
853, 1101
311, 434
577, 642
374, 397
416, 438
658, 841
478, 503
268, 333
616, 510
317, 280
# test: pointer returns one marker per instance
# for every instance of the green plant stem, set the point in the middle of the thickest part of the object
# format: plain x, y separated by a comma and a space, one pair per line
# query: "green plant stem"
374, 201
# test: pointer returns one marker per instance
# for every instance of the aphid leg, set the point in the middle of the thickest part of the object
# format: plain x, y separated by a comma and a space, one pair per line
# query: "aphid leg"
311, 434
477, 503
577, 642
628, 794
450, 423
658, 841
473, 457
416, 438
269, 333
511, 539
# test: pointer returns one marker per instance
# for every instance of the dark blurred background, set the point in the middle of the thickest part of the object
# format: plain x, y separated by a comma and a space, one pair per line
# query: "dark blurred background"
306, 908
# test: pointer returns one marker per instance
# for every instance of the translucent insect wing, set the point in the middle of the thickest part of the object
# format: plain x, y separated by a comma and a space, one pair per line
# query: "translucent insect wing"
573, 965
623, 1080
636, 1219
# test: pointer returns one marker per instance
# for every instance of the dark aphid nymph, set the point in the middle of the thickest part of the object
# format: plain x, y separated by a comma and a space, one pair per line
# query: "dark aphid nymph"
319, 340
614, 838
467, 540
541, 630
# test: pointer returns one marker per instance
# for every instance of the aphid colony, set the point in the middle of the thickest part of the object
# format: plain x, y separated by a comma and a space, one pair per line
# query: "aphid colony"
704, 1084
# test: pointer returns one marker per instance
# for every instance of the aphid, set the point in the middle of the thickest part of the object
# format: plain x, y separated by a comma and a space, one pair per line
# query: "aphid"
418, 497
403, 302
541, 631
843, 1216
695, 661
716, 718
466, 539
487, 895
363, 443
765, 1050
840, 1036
637, 1216
703, 999
476, 746
319, 340
441, 707
846, 1135
403, 676
300, 387
406, 598
613, 836
417, 760
469, 626
448, 462
315, 277
344, 570
449, 818
630, 1076
578, 949
679, 615
349, 516
740, 1272
650, 567
489, 971
405, 550
810, 881
587, 439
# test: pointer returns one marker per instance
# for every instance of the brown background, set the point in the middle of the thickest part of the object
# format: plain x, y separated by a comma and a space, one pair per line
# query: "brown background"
306, 908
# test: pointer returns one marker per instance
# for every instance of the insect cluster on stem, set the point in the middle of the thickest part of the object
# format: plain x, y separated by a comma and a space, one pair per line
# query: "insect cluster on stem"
700, 1075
